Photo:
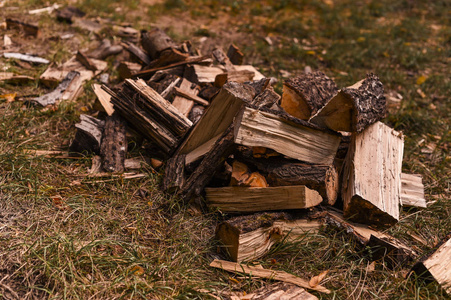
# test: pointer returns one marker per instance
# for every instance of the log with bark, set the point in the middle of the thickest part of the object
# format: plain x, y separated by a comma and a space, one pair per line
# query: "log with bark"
304, 95
355, 107
88, 136
114, 144
371, 189
156, 41
437, 266
174, 175
246, 238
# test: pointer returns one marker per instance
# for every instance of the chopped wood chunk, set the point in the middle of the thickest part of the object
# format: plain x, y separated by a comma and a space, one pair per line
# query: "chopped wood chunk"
437, 266
355, 107
304, 95
68, 13
85, 61
56, 96
104, 98
412, 191
15, 79
105, 49
88, 136
128, 69
254, 199
371, 189
235, 55
174, 176
156, 41
137, 52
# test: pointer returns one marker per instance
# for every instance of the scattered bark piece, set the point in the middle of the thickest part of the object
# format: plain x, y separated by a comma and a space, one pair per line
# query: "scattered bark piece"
114, 144
105, 49
137, 52
85, 61
68, 13
56, 95
12, 78
88, 136
265, 273
26, 28
235, 55
174, 176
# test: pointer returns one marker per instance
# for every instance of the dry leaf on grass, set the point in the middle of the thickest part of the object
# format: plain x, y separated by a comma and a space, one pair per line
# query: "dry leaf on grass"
59, 202
316, 280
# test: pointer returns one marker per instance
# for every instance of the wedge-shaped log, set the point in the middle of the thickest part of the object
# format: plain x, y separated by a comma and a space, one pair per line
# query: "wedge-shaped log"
249, 237
437, 266
354, 107
253, 199
412, 191
371, 189
304, 95
300, 141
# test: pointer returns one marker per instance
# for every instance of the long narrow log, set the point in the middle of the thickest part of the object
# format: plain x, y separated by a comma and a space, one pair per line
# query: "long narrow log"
114, 144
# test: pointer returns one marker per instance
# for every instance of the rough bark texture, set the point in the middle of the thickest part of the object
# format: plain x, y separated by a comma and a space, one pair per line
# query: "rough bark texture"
174, 175
88, 136
114, 144
155, 41
313, 90
210, 163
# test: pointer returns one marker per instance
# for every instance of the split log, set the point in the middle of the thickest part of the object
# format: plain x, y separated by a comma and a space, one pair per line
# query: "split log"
321, 178
168, 57
191, 96
412, 191
127, 33
174, 175
355, 107
196, 113
218, 117
53, 75
246, 238
155, 41
291, 137
104, 99
437, 266
88, 136
221, 149
85, 61
267, 98
383, 245
56, 95
304, 95
152, 115
114, 144
254, 199
222, 58
265, 273
27, 28
233, 76
203, 74
235, 55
242, 177
128, 69
371, 188
137, 52
249, 69
180, 102
278, 291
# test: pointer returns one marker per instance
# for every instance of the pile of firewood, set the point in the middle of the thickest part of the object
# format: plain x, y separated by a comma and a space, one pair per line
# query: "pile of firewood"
317, 153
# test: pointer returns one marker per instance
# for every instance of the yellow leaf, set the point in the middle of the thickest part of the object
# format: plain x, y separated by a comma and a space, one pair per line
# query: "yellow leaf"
311, 52
361, 39
421, 79
137, 271
316, 280
9, 97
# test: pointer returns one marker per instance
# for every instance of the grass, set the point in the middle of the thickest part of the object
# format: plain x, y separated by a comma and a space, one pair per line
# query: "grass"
124, 239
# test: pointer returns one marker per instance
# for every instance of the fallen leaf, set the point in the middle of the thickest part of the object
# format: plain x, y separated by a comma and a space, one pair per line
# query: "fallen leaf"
59, 202
421, 79
9, 97
316, 280
421, 93
137, 271
371, 267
